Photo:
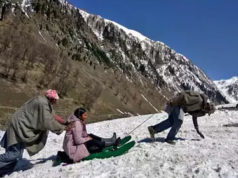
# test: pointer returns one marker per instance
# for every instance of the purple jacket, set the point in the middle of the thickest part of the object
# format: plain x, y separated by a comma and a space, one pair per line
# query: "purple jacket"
74, 140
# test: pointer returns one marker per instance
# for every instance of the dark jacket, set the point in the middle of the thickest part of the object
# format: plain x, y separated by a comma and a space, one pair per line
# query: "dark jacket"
191, 102
31, 123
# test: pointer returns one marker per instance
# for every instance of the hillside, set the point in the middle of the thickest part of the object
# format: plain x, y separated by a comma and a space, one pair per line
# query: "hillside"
91, 61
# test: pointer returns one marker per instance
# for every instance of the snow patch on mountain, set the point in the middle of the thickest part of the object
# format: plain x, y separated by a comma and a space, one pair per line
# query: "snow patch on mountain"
25, 5
129, 32
229, 88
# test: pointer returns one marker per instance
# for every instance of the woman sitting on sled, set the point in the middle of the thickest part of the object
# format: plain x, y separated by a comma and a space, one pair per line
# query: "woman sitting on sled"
78, 144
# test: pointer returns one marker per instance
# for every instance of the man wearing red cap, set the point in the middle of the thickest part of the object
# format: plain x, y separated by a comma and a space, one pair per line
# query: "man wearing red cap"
28, 129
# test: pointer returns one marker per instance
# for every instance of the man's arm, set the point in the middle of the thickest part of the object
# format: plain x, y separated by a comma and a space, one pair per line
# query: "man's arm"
69, 125
48, 121
59, 119
195, 123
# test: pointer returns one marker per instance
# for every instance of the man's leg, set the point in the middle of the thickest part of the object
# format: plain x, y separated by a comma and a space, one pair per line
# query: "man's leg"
161, 126
177, 116
9, 159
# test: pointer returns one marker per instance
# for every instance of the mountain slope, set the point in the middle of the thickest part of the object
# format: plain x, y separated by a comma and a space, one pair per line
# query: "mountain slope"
229, 88
91, 61
162, 65
46, 44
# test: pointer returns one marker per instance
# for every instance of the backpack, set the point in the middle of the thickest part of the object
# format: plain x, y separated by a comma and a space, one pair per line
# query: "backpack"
190, 101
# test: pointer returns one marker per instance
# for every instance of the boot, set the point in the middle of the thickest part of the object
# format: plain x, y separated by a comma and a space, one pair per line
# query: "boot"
61, 157
117, 143
172, 142
111, 140
152, 133
114, 143
8, 169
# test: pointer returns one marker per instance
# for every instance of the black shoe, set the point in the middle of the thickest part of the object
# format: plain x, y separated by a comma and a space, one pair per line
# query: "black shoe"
172, 142
57, 161
152, 133
61, 157
8, 169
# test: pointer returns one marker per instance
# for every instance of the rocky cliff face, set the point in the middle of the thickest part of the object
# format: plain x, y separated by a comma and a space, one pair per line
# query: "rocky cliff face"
229, 88
91, 61
137, 55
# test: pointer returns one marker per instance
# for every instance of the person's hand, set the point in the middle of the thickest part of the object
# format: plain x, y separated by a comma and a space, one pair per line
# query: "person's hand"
201, 135
90, 138
66, 123
69, 126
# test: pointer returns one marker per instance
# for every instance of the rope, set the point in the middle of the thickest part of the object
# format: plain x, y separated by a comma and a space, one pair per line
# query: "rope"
150, 116
140, 124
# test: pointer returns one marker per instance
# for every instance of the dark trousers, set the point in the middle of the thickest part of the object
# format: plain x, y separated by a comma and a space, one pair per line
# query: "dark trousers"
95, 145
64, 157
175, 120
8, 160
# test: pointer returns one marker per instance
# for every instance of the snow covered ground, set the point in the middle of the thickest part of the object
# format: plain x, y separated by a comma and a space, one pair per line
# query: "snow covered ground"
214, 156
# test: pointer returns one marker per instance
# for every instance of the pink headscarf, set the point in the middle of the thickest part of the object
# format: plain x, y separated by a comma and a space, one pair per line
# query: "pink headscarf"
52, 94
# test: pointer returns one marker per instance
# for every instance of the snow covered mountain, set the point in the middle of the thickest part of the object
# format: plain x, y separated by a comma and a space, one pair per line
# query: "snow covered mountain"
215, 156
138, 54
90, 60
229, 88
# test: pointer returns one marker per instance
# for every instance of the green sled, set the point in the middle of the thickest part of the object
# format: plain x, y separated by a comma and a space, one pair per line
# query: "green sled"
124, 140
111, 153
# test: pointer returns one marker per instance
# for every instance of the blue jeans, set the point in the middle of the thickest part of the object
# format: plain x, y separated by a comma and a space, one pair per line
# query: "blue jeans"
12, 154
175, 120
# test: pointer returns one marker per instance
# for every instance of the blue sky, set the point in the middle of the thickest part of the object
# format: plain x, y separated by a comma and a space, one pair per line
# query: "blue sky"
205, 31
